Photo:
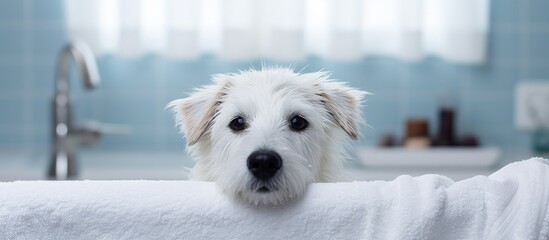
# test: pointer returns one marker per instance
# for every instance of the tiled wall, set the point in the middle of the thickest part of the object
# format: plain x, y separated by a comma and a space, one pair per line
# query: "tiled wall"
135, 92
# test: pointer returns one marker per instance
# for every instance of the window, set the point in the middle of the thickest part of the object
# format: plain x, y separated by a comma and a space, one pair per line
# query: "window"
455, 30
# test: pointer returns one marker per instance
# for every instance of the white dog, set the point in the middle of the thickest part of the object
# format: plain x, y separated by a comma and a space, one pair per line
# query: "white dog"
264, 135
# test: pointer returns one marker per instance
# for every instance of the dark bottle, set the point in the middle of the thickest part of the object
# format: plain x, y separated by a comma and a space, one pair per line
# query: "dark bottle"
446, 131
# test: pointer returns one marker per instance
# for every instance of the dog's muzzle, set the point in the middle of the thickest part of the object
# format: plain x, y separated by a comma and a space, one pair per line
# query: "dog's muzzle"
264, 164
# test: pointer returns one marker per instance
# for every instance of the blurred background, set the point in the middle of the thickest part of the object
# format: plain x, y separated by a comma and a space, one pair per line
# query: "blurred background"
468, 76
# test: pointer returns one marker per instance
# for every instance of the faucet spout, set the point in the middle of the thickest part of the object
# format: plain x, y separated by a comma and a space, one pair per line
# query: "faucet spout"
65, 137
84, 58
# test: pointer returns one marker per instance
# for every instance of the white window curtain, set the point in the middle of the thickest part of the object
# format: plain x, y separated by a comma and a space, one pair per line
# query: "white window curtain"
455, 30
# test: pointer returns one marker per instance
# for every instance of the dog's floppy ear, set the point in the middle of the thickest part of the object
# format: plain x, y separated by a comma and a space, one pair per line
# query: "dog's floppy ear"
195, 114
344, 104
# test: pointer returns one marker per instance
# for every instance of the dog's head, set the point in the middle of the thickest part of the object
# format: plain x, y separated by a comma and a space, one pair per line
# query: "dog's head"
264, 135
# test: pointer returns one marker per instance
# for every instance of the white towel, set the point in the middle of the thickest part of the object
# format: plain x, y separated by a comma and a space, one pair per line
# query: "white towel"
509, 204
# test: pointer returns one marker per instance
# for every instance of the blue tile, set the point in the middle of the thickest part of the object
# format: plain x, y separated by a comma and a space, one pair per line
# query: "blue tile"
12, 110
11, 10
43, 78
41, 138
382, 77
50, 11
493, 112
11, 77
168, 96
138, 111
84, 108
380, 112
432, 76
503, 136
503, 46
128, 75
172, 140
489, 120
492, 81
538, 12
48, 42
504, 13
11, 42
463, 121
184, 76
538, 47
536, 72
382, 117
349, 72
42, 116
166, 122
11, 135
42, 111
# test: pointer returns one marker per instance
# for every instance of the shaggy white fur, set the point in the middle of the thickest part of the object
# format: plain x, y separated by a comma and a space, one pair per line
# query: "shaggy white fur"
266, 100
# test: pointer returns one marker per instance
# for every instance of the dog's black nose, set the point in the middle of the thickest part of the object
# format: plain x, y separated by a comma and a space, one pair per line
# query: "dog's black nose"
264, 163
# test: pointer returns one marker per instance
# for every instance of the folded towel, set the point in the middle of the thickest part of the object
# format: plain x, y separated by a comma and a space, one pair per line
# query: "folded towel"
509, 204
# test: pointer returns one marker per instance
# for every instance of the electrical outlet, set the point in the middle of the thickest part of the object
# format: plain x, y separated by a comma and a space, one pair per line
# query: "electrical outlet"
532, 105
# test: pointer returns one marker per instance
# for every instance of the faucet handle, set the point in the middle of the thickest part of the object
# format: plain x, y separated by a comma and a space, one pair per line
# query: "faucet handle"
107, 128
90, 132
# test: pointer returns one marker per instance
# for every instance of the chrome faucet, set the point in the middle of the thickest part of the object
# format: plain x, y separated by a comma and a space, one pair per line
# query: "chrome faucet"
66, 138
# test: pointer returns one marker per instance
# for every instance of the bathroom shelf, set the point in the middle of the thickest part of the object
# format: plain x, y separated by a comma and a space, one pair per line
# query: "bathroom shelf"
433, 157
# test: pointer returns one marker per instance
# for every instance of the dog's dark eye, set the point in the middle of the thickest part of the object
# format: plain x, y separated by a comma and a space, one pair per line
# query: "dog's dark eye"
238, 124
298, 123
